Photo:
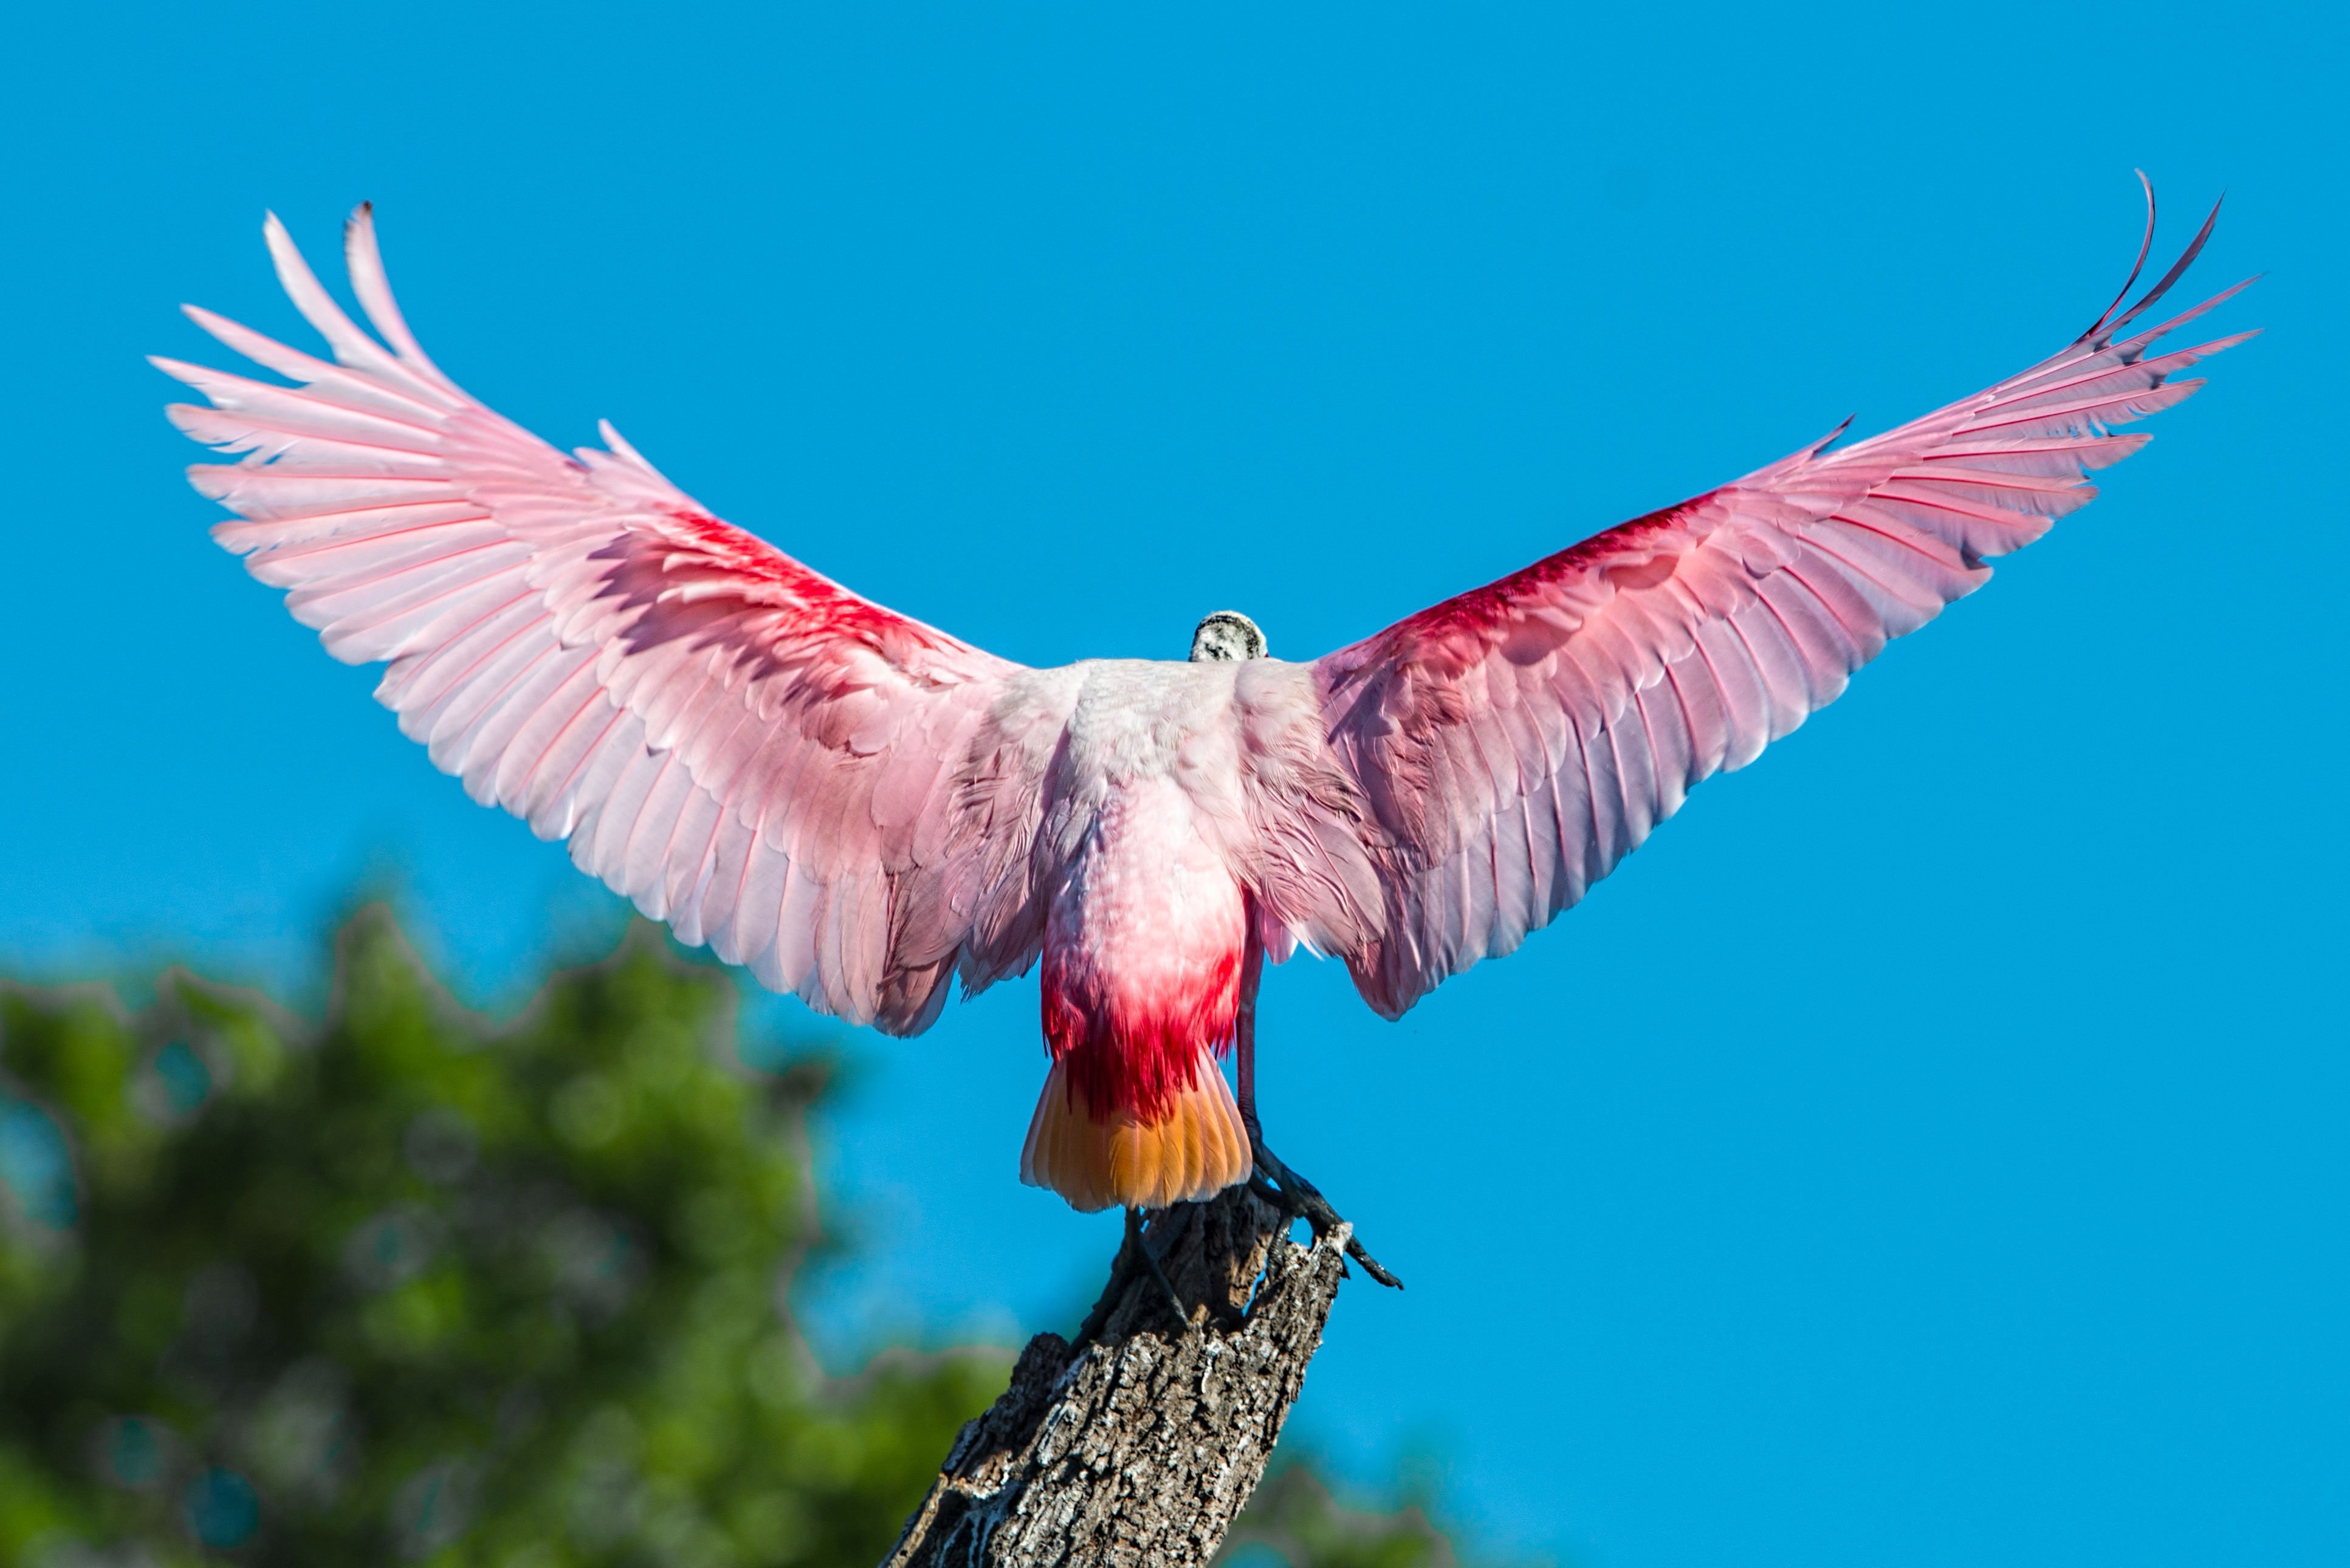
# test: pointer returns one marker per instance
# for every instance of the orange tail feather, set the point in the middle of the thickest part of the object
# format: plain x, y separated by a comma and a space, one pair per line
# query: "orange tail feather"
1195, 1151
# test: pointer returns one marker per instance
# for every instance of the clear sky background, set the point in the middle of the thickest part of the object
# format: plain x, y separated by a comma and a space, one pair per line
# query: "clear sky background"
1928, 1150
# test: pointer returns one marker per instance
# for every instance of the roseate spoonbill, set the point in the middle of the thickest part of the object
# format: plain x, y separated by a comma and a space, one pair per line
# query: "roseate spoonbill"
859, 807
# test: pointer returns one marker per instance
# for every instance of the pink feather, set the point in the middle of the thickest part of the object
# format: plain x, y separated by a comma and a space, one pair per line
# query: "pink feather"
859, 807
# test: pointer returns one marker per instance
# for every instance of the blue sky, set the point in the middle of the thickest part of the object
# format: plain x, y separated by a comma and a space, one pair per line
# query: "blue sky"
1927, 1151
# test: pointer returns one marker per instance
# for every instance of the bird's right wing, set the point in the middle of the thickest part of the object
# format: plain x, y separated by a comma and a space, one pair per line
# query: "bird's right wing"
1510, 745
837, 796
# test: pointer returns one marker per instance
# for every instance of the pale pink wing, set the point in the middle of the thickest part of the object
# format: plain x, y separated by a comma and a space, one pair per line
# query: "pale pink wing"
1510, 745
834, 795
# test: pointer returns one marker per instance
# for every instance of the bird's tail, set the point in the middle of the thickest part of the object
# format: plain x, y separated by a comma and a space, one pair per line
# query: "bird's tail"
1195, 1150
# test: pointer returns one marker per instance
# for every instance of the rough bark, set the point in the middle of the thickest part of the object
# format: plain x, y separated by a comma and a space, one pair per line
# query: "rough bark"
1139, 1442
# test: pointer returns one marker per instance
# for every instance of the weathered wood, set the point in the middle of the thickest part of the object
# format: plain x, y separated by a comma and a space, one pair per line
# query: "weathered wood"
1138, 1444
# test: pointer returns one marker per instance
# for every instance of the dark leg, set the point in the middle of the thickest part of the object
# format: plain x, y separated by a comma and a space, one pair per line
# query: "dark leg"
1244, 1033
1134, 1238
1295, 1194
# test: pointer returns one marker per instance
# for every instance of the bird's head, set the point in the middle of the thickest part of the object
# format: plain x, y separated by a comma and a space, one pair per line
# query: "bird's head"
1226, 636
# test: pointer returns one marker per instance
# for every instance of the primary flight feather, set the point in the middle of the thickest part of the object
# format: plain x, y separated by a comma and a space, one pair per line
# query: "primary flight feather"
860, 808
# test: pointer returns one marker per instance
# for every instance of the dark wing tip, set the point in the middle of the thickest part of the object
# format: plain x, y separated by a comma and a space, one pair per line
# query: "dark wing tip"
2109, 324
2144, 247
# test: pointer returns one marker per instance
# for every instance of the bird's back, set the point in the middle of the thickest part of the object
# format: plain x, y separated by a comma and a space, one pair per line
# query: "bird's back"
1143, 945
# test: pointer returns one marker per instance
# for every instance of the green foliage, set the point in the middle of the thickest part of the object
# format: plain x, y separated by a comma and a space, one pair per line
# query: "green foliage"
407, 1288
1292, 1520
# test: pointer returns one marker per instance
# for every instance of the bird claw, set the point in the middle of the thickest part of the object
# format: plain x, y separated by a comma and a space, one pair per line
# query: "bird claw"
1300, 1198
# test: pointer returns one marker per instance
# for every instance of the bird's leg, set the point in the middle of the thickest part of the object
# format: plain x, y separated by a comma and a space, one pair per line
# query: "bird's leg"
1245, 1037
1134, 1238
1294, 1194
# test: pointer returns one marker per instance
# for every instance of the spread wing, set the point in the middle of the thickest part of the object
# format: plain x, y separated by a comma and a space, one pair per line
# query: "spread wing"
834, 795
1510, 745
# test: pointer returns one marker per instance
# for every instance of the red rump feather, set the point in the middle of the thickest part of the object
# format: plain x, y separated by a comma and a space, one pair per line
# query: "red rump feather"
1133, 1054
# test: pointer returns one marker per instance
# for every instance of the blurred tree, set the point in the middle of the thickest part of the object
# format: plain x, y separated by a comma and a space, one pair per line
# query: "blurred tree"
406, 1287
1294, 1520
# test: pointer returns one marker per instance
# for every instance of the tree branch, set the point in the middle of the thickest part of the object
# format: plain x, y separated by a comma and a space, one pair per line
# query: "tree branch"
1139, 1443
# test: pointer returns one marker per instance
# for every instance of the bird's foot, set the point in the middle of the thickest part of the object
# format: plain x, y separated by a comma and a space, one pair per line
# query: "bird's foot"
1294, 1195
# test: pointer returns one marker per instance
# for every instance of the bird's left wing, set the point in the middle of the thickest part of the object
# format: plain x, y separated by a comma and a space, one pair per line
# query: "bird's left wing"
1510, 745
835, 795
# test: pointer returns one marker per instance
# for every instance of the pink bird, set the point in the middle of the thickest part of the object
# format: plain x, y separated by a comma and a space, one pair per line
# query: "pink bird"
860, 808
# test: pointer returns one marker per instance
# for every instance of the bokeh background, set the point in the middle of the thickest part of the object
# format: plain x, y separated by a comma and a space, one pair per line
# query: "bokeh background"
1926, 1150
